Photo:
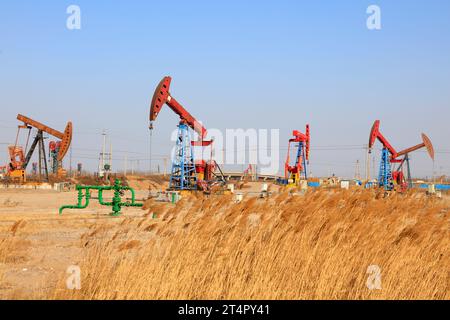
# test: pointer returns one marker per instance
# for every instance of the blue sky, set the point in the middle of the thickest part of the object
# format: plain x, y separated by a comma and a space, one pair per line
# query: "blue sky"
234, 64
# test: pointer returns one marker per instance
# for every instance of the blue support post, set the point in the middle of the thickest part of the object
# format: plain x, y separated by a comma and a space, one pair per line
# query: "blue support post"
305, 168
183, 176
385, 174
301, 154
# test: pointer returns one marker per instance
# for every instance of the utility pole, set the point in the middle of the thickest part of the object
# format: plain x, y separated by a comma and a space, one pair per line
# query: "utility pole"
105, 157
103, 149
102, 156
70, 161
125, 163
150, 153
373, 162
110, 154
434, 172
165, 166
367, 164
357, 171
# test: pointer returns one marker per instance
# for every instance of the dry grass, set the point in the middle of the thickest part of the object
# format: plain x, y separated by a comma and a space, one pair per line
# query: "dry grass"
13, 249
316, 246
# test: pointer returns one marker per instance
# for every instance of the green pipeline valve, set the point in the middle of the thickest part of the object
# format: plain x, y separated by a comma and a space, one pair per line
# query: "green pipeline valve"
116, 202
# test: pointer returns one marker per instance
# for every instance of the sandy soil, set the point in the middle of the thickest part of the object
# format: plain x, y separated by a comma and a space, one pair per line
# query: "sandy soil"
45, 243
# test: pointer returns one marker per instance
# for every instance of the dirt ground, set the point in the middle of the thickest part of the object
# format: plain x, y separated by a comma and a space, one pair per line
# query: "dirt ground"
46, 243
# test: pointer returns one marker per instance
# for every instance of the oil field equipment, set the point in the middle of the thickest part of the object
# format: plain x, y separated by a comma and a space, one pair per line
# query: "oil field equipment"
293, 174
3, 171
84, 193
186, 174
79, 168
53, 150
20, 157
392, 165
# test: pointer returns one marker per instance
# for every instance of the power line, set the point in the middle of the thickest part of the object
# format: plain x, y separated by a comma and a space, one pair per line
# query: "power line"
119, 151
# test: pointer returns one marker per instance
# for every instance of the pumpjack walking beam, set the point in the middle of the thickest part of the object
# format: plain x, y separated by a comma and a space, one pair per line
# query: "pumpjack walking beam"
28, 123
65, 137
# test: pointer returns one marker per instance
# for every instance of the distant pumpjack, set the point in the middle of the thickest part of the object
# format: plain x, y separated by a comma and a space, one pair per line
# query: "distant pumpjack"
390, 177
19, 162
294, 173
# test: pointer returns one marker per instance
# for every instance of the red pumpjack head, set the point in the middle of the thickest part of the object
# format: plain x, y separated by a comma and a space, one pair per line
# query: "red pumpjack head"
162, 96
376, 134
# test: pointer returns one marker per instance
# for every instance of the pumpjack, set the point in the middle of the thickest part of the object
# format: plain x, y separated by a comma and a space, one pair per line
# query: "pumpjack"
187, 173
293, 174
20, 157
392, 165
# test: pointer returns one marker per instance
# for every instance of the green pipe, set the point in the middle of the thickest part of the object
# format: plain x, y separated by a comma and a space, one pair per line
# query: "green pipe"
133, 196
79, 205
116, 202
100, 199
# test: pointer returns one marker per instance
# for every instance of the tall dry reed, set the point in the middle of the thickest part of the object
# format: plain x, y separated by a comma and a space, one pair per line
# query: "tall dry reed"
316, 246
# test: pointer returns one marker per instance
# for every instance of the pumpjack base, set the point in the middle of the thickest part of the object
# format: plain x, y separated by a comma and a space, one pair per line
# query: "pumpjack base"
17, 175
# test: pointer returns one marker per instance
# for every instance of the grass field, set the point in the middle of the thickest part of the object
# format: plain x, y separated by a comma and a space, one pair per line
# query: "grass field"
314, 246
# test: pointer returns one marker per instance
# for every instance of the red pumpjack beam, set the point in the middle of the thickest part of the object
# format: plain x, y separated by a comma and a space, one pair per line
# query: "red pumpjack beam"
376, 134
162, 96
